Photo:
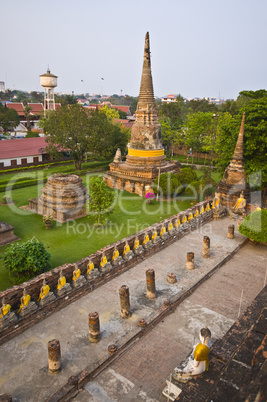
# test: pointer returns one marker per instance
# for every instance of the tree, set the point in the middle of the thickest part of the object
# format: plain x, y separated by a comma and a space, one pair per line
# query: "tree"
101, 199
25, 260
174, 111
82, 131
201, 105
110, 113
27, 113
9, 118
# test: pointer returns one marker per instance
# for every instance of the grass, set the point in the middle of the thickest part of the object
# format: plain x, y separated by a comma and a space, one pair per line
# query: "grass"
72, 241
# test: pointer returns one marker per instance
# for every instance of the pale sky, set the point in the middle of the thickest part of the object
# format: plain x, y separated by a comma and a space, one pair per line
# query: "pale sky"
199, 48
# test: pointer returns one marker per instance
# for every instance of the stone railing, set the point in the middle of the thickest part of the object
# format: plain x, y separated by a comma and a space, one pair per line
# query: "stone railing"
90, 279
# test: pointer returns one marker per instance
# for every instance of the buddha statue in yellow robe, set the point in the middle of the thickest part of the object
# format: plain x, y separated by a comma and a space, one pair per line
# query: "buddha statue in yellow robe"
104, 260
216, 202
184, 220
190, 216
76, 273
115, 254
202, 210
45, 289
207, 207
24, 301
92, 272
240, 205
162, 230
137, 248
155, 237
61, 281
177, 223
104, 264
170, 226
5, 309
198, 362
147, 243
127, 252
90, 266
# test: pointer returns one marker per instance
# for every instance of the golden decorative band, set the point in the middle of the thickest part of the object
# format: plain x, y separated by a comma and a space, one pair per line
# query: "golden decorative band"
145, 153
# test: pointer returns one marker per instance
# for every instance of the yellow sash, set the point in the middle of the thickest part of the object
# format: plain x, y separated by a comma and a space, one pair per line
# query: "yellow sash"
239, 202
136, 244
126, 249
201, 354
44, 292
115, 254
5, 310
62, 282
104, 261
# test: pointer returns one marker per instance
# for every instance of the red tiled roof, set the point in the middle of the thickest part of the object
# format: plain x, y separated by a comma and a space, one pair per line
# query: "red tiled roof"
36, 107
22, 147
16, 106
125, 109
124, 122
57, 106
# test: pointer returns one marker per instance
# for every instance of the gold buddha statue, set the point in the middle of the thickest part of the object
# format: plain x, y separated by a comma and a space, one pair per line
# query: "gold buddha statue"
104, 264
24, 301
5, 309
137, 248
61, 281
45, 289
116, 258
127, 252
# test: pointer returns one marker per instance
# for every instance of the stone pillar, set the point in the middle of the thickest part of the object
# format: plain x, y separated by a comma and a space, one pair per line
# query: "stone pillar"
231, 231
54, 357
150, 284
94, 327
206, 247
190, 260
171, 277
125, 301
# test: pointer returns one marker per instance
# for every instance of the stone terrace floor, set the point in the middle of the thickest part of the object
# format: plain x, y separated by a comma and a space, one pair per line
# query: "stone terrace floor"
140, 373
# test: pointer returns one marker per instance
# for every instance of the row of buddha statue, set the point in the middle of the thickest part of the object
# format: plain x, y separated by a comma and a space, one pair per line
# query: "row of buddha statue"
46, 296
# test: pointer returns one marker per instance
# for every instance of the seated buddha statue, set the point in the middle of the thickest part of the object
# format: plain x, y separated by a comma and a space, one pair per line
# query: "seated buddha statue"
26, 306
184, 220
170, 228
196, 214
104, 264
240, 205
45, 295
155, 237
116, 258
177, 224
77, 279
198, 362
147, 243
62, 286
127, 252
202, 210
163, 233
207, 207
137, 248
92, 271
191, 216
218, 210
7, 317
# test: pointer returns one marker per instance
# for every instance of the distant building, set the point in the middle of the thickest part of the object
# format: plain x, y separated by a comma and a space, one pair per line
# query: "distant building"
169, 98
2, 86
20, 152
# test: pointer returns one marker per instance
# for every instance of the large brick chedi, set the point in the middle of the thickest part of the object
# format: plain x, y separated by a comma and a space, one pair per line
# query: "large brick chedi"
145, 153
234, 179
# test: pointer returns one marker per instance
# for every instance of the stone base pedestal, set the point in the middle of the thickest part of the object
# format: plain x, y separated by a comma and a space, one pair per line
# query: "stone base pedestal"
219, 213
64, 291
128, 256
106, 268
8, 320
171, 391
7, 233
47, 299
171, 232
117, 261
79, 282
164, 236
139, 250
31, 308
156, 240
148, 245
92, 274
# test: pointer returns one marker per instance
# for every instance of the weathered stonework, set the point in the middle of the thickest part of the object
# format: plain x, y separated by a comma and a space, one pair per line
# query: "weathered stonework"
234, 179
63, 197
145, 153
7, 233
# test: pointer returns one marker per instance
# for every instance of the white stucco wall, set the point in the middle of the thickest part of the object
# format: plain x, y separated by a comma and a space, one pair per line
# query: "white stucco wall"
7, 162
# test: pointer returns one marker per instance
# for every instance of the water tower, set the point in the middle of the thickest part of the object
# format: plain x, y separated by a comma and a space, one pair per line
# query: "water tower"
49, 82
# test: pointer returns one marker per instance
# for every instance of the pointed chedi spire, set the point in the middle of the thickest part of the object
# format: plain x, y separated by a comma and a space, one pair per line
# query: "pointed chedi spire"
238, 155
146, 94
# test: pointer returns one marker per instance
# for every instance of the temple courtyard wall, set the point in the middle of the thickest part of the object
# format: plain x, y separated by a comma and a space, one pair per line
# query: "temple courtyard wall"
217, 306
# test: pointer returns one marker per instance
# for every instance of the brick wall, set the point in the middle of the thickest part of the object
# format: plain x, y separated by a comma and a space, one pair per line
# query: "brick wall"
13, 295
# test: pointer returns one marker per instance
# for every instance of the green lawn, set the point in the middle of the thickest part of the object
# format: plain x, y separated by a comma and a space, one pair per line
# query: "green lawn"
72, 241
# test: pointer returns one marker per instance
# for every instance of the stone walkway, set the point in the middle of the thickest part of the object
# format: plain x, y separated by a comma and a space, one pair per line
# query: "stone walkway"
142, 371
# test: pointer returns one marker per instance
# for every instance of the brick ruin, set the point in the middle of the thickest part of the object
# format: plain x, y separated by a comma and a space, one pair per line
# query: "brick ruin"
145, 154
63, 197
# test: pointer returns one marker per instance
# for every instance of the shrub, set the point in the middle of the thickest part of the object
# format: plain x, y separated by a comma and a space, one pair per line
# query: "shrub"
101, 201
168, 184
26, 260
187, 175
254, 226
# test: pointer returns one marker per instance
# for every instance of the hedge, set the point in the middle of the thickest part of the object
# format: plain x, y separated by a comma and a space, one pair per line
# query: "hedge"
254, 226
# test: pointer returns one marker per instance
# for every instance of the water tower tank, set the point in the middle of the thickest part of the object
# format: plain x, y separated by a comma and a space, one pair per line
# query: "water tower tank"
48, 80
